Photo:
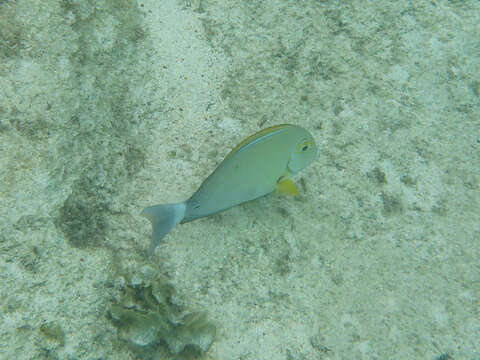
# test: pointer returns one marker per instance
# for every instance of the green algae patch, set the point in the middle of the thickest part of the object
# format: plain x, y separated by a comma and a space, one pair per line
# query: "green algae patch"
54, 332
147, 318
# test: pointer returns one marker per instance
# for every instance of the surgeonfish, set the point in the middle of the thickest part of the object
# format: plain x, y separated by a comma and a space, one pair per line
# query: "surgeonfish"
256, 167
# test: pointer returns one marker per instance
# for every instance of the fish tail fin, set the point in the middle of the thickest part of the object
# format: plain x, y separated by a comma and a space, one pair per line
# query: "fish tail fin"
163, 218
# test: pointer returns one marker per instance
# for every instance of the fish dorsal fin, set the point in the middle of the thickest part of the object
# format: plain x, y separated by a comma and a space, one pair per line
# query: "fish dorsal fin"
256, 137
286, 186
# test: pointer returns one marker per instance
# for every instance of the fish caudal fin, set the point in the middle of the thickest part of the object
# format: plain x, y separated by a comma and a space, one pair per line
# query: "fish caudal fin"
163, 219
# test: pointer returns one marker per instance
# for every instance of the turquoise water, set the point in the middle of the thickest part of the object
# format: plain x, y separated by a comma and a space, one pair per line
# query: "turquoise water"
107, 107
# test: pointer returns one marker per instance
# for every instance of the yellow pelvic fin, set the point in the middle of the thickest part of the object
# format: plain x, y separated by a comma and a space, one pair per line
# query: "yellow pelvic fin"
286, 186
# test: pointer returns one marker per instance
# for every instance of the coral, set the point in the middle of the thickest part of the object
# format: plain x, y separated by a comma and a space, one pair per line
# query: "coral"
146, 317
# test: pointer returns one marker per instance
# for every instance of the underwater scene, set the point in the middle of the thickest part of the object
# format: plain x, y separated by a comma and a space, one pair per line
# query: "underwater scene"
239, 180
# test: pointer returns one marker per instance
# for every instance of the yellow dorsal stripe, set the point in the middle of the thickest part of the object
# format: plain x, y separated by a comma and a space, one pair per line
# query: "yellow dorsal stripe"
255, 137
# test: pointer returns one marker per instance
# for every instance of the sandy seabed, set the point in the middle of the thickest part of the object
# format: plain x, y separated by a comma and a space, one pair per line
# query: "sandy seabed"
110, 106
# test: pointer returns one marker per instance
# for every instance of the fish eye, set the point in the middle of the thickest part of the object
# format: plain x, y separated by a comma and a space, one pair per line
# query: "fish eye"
301, 148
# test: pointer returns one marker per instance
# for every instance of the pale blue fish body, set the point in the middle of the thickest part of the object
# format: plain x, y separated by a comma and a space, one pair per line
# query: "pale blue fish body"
256, 167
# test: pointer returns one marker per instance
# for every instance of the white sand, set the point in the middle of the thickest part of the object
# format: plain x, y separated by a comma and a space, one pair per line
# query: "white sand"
128, 105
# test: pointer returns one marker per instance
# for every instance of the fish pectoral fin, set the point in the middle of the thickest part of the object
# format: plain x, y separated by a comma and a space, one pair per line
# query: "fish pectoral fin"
286, 186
